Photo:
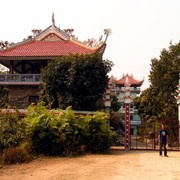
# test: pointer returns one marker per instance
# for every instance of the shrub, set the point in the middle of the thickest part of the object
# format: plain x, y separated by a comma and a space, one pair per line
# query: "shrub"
12, 130
71, 132
117, 123
99, 136
65, 133
0, 160
15, 155
43, 129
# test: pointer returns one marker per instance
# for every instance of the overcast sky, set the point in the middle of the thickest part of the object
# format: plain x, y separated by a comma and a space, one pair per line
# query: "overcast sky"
140, 28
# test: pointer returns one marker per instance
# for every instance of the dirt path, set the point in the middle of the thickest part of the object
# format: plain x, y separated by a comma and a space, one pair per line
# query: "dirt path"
117, 165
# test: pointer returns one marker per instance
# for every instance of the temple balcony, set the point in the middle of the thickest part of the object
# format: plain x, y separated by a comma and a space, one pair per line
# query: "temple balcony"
133, 89
115, 90
20, 79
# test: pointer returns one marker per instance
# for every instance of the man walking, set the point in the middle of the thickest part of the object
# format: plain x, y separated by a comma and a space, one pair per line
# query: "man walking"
163, 139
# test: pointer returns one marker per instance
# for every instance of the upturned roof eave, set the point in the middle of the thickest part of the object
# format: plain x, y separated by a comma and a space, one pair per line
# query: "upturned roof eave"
36, 57
131, 83
16, 45
99, 49
26, 57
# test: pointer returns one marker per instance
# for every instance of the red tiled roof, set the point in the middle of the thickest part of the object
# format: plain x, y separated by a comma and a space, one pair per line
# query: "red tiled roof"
112, 79
132, 81
45, 48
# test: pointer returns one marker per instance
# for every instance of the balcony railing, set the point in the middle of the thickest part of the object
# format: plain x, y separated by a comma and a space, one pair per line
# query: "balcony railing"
20, 78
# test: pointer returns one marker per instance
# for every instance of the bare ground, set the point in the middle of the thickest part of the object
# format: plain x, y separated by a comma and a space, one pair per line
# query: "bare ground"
115, 165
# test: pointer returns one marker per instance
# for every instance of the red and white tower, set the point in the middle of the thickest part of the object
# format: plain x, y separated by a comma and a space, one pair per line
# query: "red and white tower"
127, 102
178, 102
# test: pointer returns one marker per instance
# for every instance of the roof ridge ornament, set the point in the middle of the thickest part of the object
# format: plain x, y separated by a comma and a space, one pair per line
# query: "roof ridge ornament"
127, 80
53, 20
107, 32
96, 43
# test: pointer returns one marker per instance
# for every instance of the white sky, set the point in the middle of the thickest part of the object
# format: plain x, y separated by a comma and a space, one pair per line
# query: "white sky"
140, 28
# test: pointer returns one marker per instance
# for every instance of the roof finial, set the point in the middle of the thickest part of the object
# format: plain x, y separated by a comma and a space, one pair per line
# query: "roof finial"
127, 80
107, 32
53, 20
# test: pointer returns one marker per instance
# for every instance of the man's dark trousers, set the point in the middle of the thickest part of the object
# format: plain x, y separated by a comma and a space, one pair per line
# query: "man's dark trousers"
163, 144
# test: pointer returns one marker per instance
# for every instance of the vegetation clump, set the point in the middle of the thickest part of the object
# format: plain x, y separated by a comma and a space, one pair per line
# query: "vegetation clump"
16, 155
65, 133
158, 102
12, 129
79, 81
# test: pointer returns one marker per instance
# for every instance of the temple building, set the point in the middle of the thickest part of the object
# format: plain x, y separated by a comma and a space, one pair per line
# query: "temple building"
117, 86
25, 60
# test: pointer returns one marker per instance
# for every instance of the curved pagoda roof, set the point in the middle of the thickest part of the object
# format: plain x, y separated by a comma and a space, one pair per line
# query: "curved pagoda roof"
121, 82
51, 42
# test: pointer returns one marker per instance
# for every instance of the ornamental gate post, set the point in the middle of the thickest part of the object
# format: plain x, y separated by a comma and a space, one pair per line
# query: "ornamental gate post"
178, 103
127, 101
127, 126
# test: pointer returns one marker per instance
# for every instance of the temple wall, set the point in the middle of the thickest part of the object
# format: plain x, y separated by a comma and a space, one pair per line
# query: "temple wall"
22, 96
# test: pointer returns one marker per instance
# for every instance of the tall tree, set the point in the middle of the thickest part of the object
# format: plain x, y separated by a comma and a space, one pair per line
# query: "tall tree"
164, 76
158, 100
76, 80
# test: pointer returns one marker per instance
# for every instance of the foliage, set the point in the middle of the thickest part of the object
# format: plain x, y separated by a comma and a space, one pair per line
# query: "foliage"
3, 97
3, 92
117, 123
158, 100
149, 128
172, 127
43, 129
15, 155
63, 133
164, 77
143, 104
76, 80
12, 130
99, 135
115, 105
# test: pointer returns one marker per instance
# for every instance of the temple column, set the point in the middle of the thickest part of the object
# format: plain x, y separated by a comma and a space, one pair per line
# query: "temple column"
11, 67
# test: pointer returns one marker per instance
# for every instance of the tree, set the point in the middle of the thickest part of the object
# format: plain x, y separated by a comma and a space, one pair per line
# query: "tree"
158, 100
164, 77
144, 103
115, 105
76, 80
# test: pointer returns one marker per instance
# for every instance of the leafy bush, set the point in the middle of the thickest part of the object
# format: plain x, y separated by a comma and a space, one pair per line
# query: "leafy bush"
12, 130
15, 155
3, 97
71, 134
43, 129
99, 135
117, 123
65, 133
